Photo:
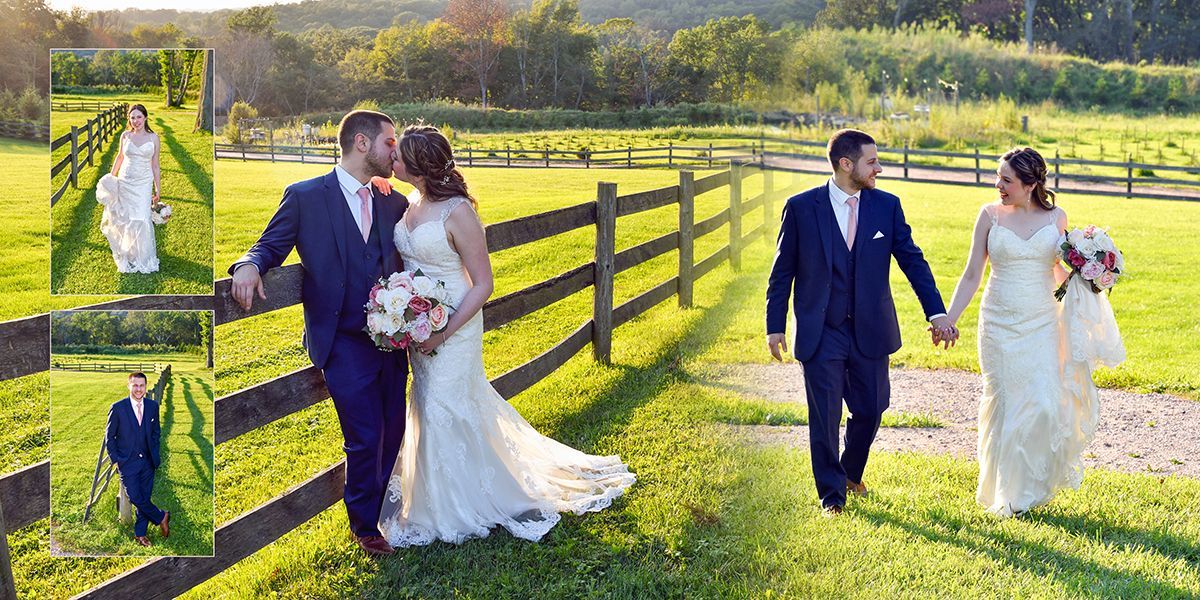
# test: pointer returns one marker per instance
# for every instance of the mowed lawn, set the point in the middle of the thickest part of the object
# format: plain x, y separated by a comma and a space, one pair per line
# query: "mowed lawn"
709, 517
82, 262
183, 484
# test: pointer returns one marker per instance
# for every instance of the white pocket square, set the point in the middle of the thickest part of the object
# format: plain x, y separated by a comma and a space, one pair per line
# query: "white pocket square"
878, 234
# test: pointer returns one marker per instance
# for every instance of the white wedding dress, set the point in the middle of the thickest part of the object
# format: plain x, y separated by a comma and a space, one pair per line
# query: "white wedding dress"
1039, 407
469, 461
126, 218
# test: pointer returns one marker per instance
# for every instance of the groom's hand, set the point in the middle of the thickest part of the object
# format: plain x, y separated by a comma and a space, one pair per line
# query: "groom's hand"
777, 343
247, 282
943, 331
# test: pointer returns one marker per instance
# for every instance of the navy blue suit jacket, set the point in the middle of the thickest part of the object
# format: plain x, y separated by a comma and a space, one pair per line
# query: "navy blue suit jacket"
312, 219
803, 269
122, 439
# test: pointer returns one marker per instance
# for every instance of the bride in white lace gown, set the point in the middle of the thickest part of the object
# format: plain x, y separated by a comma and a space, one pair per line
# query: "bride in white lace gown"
1039, 407
469, 461
127, 194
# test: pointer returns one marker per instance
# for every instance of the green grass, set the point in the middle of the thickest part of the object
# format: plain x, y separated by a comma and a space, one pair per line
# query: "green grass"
81, 260
183, 482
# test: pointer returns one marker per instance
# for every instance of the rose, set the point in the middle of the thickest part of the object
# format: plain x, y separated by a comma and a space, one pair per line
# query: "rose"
1091, 270
1090, 231
392, 322
374, 295
1075, 237
419, 304
438, 317
1088, 247
1075, 258
1103, 242
397, 300
376, 322
1105, 281
401, 280
421, 329
1110, 260
423, 285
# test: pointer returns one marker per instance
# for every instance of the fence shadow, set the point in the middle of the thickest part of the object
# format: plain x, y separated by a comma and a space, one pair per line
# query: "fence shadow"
67, 248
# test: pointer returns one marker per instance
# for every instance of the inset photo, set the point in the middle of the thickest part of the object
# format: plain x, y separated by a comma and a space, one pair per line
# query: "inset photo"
131, 175
131, 433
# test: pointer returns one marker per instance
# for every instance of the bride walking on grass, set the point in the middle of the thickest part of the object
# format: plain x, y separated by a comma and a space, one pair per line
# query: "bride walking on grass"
1039, 407
128, 194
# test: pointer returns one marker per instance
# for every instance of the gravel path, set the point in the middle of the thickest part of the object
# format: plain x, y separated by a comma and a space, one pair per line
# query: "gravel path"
1138, 433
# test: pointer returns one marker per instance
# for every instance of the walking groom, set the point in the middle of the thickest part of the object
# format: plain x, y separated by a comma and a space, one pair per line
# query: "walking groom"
343, 233
132, 440
833, 257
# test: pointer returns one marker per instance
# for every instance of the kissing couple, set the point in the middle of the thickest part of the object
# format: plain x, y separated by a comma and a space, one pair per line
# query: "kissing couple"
457, 460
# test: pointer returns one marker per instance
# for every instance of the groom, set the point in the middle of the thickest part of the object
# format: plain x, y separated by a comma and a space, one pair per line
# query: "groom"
132, 439
342, 231
833, 255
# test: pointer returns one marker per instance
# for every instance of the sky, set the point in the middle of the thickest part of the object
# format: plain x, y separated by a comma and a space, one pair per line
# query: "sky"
96, 5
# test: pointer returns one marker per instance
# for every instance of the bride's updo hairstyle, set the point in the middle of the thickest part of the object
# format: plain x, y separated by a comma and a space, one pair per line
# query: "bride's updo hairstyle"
426, 152
1030, 168
141, 109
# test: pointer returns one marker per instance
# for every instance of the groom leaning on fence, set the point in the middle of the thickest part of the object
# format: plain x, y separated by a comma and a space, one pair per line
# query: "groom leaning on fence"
132, 441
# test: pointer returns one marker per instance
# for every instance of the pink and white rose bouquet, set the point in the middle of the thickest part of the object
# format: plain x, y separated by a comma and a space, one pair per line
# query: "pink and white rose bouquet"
160, 213
1091, 255
406, 308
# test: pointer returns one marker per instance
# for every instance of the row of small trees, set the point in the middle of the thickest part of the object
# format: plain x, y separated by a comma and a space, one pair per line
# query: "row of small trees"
175, 329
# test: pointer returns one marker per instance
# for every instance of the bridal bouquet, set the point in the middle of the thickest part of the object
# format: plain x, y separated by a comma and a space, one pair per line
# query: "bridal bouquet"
160, 213
406, 308
1092, 256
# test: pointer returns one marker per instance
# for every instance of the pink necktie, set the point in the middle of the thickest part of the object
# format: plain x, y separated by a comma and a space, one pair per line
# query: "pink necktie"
364, 211
138, 406
852, 226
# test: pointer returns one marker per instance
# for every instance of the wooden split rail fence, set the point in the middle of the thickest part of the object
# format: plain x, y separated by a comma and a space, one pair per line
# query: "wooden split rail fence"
85, 142
24, 494
105, 367
124, 507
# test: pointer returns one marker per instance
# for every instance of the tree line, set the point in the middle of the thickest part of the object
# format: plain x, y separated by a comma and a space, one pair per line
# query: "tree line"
177, 330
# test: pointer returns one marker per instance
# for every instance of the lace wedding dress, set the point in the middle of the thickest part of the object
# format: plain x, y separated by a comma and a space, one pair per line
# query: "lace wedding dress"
126, 218
469, 461
1039, 407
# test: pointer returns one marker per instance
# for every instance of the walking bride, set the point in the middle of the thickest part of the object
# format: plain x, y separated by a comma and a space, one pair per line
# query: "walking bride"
128, 194
469, 461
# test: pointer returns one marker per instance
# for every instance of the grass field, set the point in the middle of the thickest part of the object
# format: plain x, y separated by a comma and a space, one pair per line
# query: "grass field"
709, 516
82, 262
183, 482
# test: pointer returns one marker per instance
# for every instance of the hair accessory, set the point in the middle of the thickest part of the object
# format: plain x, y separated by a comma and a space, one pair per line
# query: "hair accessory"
449, 165
445, 179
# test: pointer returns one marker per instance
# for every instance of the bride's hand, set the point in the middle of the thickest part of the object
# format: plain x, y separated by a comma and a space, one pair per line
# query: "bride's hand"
382, 184
428, 346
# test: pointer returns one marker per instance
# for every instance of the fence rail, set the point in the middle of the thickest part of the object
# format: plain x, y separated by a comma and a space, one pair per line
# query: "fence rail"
81, 105
84, 142
104, 367
267, 402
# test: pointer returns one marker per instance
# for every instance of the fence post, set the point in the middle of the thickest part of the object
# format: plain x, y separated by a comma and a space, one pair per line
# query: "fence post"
768, 203
1128, 176
906, 159
670, 154
74, 156
977, 174
629, 156
124, 506
91, 146
710, 157
605, 269
547, 156
587, 159
302, 149
687, 214
1056, 160
470, 159
8, 588
507, 155
735, 215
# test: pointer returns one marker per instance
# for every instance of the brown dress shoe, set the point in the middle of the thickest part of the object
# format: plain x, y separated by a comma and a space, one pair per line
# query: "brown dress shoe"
374, 545
141, 539
163, 527
831, 511
856, 488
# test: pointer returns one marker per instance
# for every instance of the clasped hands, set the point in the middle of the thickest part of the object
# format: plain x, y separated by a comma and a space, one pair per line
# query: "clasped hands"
943, 331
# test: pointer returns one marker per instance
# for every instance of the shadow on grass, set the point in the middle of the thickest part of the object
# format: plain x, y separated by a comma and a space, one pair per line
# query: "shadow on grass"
69, 247
187, 538
1079, 576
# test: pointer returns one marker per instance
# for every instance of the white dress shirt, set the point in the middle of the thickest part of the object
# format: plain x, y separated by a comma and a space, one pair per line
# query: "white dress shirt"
350, 187
841, 210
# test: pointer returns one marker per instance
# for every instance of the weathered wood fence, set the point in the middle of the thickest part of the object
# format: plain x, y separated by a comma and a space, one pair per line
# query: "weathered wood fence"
104, 367
81, 105
124, 509
85, 142
265, 403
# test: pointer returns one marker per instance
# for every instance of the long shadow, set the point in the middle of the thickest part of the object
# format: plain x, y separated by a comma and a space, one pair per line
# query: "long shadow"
196, 174
167, 491
1164, 544
169, 267
1077, 574
67, 248
203, 444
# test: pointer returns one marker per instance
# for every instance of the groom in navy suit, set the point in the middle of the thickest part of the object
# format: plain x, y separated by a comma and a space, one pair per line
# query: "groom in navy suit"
343, 231
132, 440
833, 257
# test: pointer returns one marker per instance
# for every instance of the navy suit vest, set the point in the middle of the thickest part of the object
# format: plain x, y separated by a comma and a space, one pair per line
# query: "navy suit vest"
841, 292
364, 267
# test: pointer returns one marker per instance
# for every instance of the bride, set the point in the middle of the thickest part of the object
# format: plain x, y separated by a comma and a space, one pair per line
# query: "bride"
469, 461
128, 193
1039, 408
